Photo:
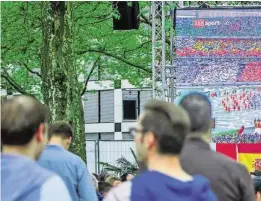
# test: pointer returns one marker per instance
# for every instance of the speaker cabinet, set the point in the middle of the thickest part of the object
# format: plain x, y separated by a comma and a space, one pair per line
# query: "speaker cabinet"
129, 15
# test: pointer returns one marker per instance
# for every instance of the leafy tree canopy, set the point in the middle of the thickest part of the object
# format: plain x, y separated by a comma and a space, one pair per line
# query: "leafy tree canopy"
123, 54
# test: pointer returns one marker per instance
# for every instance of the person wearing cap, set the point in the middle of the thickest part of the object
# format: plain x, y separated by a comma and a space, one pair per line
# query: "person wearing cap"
256, 176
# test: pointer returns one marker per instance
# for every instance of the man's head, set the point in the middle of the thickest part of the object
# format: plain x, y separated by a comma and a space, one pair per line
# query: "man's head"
256, 177
114, 181
127, 177
61, 132
24, 126
198, 108
95, 182
161, 130
104, 188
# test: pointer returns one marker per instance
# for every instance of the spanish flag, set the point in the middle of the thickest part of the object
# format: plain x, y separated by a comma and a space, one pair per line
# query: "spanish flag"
228, 149
250, 156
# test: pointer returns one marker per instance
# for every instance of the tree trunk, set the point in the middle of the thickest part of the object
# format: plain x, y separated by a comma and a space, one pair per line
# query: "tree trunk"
60, 88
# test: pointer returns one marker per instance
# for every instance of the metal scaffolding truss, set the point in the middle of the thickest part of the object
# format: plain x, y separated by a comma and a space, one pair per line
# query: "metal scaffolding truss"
158, 50
164, 73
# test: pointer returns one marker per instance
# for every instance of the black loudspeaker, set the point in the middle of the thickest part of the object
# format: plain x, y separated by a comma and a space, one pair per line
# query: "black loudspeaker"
129, 15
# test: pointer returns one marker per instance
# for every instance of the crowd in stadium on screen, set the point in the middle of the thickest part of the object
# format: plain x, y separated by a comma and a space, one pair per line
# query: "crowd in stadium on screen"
241, 101
244, 138
199, 47
209, 72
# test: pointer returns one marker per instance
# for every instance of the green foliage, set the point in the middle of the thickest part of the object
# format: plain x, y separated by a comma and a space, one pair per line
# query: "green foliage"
117, 84
30, 43
124, 53
95, 36
20, 42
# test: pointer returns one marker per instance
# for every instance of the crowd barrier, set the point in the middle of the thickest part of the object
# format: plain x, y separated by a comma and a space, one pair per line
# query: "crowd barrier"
98, 151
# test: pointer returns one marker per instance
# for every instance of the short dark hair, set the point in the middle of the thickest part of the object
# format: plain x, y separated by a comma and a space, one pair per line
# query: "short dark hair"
256, 177
96, 176
257, 183
124, 177
104, 187
198, 107
20, 119
169, 123
61, 128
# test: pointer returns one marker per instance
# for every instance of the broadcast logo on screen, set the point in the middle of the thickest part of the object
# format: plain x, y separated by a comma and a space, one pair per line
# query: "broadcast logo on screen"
202, 23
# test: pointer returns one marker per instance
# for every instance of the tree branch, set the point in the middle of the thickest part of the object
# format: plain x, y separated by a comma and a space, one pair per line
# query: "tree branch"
102, 20
96, 22
30, 70
14, 84
89, 76
115, 57
92, 12
140, 46
146, 20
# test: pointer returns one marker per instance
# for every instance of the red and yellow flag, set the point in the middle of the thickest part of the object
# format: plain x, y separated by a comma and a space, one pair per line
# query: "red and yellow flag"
250, 156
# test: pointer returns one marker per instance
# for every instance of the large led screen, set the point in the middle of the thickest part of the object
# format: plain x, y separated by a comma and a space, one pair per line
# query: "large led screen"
218, 51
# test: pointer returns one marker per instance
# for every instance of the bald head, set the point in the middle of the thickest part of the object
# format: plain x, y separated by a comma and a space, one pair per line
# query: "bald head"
20, 119
198, 107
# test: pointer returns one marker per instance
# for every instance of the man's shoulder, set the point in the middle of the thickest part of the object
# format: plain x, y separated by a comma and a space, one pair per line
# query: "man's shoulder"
75, 160
38, 174
122, 192
229, 163
61, 191
43, 172
217, 159
73, 157
63, 155
225, 160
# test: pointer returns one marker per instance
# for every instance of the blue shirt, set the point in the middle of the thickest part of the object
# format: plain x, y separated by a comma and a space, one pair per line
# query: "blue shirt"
155, 186
72, 170
24, 180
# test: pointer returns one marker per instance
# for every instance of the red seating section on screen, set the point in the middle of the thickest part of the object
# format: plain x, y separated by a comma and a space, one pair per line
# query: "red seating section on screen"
251, 73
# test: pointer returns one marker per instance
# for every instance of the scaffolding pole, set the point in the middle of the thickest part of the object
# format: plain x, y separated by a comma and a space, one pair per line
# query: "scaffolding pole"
158, 50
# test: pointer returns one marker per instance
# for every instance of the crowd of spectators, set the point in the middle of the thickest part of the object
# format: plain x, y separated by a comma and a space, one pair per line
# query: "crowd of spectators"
203, 71
244, 138
104, 182
189, 47
36, 163
183, 77
251, 72
241, 100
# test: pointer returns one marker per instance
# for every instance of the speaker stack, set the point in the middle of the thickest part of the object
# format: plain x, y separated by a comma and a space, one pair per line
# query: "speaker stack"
129, 15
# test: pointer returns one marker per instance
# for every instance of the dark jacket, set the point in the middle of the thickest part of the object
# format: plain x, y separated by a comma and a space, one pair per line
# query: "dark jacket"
229, 179
99, 195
